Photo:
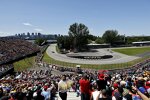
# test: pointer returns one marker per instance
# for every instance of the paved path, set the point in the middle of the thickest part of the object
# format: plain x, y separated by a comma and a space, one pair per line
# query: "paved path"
70, 96
117, 57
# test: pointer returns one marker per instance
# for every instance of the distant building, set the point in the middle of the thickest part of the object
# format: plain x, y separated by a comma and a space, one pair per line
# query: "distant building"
141, 43
97, 46
28, 34
33, 36
39, 34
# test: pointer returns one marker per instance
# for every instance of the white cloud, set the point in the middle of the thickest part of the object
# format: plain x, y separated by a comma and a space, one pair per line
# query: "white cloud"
27, 24
4, 33
33, 26
38, 29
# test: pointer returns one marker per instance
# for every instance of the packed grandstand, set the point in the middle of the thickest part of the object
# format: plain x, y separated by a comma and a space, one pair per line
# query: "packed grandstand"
12, 49
120, 84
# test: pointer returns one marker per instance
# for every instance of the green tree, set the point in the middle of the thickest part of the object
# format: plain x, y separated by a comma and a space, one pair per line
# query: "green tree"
92, 37
99, 40
79, 33
89, 41
40, 41
131, 39
67, 42
60, 41
64, 42
110, 36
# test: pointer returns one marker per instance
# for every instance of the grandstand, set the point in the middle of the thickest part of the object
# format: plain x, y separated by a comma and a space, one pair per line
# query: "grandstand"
12, 50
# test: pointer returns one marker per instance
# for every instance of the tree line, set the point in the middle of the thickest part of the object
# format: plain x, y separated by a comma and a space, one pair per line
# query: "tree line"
79, 36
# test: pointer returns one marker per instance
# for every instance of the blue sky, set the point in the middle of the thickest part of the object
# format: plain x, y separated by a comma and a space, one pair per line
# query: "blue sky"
130, 17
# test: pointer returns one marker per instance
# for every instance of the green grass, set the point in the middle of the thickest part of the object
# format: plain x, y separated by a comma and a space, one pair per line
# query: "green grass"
24, 63
50, 60
132, 51
57, 49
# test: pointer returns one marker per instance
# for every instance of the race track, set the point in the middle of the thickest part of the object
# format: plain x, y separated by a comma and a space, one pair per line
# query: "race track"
117, 57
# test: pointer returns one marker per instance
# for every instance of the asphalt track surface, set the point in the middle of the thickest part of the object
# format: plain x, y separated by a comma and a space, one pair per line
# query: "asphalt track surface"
117, 57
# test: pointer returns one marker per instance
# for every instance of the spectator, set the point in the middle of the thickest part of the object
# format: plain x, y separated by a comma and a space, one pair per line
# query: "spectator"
45, 93
84, 88
62, 88
95, 92
101, 82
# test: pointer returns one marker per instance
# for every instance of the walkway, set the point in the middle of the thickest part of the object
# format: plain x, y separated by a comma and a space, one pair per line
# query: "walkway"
70, 96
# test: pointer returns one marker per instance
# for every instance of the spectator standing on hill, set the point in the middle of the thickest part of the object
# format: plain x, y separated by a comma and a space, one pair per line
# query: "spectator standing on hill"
103, 95
95, 92
62, 88
45, 93
101, 82
84, 88
77, 88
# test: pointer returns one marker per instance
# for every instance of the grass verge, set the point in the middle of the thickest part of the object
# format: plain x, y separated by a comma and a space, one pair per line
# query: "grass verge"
132, 51
50, 60
57, 49
24, 63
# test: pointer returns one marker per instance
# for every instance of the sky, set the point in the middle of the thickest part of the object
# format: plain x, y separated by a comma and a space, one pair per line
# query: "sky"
129, 17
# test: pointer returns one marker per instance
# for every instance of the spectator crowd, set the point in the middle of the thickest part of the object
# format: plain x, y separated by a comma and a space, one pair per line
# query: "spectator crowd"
5, 68
122, 84
12, 49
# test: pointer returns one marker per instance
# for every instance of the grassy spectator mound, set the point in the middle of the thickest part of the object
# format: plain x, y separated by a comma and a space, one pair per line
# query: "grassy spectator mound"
24, 64
133, 51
